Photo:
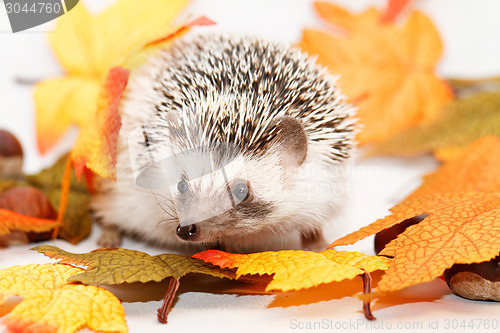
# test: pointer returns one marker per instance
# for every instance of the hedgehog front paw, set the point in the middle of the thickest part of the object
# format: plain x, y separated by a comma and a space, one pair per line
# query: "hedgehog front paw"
110, 237
313, 240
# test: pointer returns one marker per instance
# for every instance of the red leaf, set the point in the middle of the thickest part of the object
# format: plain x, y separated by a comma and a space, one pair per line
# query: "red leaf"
200, 21
394, 8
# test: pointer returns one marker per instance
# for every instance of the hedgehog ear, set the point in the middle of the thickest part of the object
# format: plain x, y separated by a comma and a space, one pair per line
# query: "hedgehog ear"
291, 141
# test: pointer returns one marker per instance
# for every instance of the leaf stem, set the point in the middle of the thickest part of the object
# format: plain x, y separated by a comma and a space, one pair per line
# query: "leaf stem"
63, 201
367, 288
173, 285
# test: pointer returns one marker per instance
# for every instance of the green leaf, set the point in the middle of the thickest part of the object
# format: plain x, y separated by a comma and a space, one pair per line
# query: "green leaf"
116, 266
77, 219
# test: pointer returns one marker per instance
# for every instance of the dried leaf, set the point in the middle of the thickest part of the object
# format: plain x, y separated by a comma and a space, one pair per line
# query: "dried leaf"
294, 270
50, 304
462, 228
462, 122
384, 69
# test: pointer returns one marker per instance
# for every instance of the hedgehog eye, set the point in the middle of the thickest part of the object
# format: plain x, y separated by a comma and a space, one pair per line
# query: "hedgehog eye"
182, 186
240, 192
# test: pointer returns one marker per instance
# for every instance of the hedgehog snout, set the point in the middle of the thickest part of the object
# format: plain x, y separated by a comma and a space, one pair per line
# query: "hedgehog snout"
188, 232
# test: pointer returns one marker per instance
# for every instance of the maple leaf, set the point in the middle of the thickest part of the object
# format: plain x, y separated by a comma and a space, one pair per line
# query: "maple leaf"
295, 270
387, 70
394, 8
476, 170
461, 228
116, 266
10, 221
462, 201
462, 122
50, 304
88, 47
95, 147
466, 230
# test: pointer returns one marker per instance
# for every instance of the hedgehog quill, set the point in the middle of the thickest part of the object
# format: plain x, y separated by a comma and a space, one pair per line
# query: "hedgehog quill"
228, 142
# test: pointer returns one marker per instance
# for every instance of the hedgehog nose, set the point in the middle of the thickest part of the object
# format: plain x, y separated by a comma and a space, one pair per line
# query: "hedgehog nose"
188, 232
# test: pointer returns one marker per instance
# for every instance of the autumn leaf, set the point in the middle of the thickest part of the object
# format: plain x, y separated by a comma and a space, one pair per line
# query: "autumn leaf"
463, 233
385, 69
88, 47
476, 170
116, 266
394, 8
50, 304
462, 201
95, 147
462, 122
461, 228
10, 221
295, 270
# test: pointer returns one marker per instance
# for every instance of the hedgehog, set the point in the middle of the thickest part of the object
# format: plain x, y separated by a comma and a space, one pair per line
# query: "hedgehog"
228, 142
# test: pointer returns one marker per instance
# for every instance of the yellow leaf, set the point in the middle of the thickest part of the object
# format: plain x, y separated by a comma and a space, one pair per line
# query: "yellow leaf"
50, 304
63, 102
88, 47
95, 147
115, 266
294, 270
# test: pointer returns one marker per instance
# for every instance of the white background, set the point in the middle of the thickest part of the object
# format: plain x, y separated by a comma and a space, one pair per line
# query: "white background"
471, 34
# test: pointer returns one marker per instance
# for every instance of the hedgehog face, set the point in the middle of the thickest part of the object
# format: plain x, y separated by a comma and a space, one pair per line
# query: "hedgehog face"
227, 202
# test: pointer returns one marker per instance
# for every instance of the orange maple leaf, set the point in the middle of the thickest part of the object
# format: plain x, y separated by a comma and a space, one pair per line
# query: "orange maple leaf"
387, 70
461, 228
10, 221
476, 169
463, 225
294, 270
